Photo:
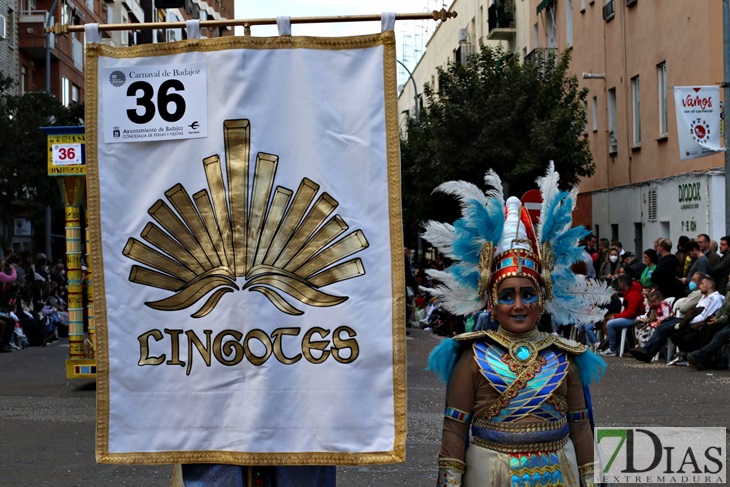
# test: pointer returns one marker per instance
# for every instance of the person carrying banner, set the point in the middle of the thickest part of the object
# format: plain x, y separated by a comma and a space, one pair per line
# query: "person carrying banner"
521, 393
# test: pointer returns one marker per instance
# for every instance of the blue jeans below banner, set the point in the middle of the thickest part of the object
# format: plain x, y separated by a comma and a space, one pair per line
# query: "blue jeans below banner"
612, 328
202, 475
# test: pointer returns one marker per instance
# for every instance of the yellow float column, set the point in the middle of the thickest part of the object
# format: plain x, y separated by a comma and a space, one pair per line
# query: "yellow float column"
72, 188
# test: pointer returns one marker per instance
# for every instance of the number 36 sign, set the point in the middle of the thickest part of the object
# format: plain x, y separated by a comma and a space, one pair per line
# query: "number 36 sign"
154, 103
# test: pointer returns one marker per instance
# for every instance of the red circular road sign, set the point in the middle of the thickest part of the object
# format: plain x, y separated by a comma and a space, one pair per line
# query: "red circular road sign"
532, 201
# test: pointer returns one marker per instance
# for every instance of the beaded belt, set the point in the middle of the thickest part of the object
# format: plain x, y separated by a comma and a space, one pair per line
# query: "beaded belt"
520, 437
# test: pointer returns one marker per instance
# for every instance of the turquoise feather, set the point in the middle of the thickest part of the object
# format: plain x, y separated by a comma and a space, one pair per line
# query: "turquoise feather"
443, 358
591, 366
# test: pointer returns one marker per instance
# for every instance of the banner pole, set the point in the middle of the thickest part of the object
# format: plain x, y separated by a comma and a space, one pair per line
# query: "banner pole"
726, 87
442, 15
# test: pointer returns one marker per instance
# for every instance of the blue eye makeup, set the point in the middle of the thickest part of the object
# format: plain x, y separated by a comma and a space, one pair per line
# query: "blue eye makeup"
527, 294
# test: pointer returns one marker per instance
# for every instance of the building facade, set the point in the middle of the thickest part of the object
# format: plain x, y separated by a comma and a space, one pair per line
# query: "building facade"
9, 39
629, 54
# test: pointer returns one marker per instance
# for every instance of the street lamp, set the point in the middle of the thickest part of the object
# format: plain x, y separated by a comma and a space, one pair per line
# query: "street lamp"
415, 88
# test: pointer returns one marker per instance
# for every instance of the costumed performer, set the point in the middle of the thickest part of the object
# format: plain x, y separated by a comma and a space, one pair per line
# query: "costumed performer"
522, 393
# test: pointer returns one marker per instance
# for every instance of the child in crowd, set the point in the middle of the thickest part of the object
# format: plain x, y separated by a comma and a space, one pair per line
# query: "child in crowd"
658, 311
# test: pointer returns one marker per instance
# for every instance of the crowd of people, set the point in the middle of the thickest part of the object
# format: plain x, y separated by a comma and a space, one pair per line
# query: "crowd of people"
667, 297
33, 301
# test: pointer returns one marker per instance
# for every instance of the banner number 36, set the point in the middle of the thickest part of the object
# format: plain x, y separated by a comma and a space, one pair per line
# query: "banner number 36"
167, 95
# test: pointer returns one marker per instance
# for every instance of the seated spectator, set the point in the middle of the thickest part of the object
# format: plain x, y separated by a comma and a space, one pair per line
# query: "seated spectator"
632, 266
659, 310
700, 263
706, 307
633, 307
650, 260
684, 305
703, 358
697, 335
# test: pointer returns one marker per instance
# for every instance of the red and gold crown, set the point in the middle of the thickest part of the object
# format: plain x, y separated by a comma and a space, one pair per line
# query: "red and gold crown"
517, 255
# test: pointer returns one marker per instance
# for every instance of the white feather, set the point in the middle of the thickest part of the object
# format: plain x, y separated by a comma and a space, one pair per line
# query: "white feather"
441, 236
456, 299
462, 190
492, 180
548, 186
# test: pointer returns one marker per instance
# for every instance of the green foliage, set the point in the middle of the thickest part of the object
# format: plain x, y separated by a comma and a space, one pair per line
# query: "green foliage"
494, 112
24, 176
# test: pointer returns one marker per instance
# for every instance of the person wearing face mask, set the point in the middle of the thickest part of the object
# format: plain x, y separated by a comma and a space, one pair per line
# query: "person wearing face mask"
609, 270
517, 412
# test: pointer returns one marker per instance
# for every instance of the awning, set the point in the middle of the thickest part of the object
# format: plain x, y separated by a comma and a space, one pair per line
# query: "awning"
543, 5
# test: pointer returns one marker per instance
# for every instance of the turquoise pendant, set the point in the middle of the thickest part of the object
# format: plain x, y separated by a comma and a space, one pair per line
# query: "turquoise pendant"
522, 352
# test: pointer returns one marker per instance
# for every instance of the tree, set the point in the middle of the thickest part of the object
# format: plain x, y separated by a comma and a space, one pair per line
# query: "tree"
494, 112
24, 180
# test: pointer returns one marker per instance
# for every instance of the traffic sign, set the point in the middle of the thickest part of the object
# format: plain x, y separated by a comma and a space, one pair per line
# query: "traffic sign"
532, 201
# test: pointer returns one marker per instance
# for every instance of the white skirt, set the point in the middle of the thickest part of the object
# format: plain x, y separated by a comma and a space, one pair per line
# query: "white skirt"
489, 468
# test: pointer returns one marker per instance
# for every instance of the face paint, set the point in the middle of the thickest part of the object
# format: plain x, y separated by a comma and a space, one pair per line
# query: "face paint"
518, 304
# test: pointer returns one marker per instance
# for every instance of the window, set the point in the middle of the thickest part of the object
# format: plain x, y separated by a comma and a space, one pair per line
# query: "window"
109, 14
585, 111
23, 79
75, 93
535, 36
663, 117
551, 28
636, 105
612, 135
569, 22
595, 113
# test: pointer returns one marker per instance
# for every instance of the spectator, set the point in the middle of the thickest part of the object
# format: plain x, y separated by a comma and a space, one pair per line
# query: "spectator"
590, 270
697, 335
650, 261
609, 270
700, 262
591, 248
721, 271
633, 307
619, 246
682, 256
665, 274
684, 305
603, 248
703, 240
702, 358
659, 310
706, 307
632, 266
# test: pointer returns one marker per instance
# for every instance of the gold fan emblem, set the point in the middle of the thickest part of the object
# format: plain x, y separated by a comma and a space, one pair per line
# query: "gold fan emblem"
281, 241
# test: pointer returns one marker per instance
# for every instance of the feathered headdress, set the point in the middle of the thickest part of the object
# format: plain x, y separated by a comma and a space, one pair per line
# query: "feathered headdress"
494, 240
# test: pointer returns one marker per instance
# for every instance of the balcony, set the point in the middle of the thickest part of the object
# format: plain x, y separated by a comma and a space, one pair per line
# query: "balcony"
501, 20
542, 54
31, 33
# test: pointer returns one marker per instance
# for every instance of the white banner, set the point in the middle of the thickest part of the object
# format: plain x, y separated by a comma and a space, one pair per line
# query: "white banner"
698, 120
249, 295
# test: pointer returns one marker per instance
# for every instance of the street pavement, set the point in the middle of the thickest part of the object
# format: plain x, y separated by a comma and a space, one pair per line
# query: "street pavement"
47, 422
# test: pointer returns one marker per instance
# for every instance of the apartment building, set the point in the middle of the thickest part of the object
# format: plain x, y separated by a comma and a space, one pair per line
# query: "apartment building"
477, 23
630, 54
633, 52
8, 39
